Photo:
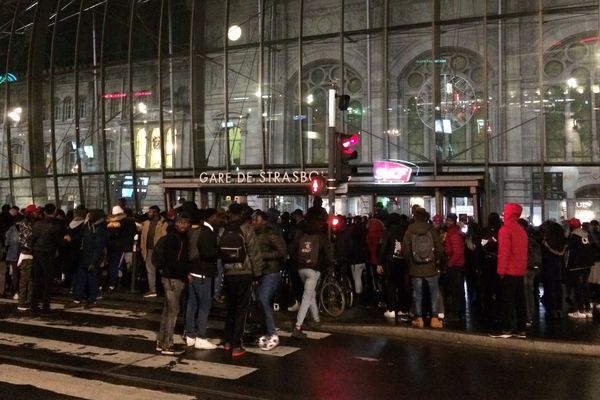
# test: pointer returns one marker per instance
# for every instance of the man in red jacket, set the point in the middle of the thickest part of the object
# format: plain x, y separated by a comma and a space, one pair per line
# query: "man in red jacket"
454, 248
512, 266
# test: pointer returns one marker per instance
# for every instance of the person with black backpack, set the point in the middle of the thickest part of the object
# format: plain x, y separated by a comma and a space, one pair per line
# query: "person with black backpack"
580, 260
239, 250
312, 255
394, 267
423, 248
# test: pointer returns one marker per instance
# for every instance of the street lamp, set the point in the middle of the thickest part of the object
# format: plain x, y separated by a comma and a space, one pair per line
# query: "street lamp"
15, 114
234, 33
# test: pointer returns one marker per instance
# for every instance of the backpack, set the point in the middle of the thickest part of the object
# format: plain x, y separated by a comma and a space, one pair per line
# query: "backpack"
423, 248
308, 251
232, 245
397, 251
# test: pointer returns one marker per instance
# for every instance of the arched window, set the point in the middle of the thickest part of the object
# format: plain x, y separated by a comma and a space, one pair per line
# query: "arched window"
111, 161
82, 107
57, 108
71, 157
67, 108
17, 159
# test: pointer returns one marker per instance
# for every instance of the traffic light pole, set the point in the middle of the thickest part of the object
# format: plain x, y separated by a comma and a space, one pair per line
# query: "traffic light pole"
332, 151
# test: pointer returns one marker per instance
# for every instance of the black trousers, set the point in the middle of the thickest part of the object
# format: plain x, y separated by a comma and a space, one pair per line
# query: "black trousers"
43, 274
456, 291
513, 300
397, 286
237, 296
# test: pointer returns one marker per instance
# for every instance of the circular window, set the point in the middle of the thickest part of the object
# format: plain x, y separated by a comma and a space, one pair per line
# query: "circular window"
354, 85
415, 80
553, 68
577, 51
581, 74
459, 63
317, 76
477, 75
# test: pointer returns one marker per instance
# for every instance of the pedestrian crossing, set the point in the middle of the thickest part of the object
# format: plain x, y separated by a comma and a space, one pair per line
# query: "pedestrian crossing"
121, 339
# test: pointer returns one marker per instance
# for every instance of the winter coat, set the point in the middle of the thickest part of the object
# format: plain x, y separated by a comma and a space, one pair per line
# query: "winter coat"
375, 229
253, 264
71, 249
92, 244
203, 251
512, 243
11, 242
416, 269
171, 256
343, 243
325, 257
553, 263
25, 228
454, 247
47, 235
272, 248
581, 251
121, 231
161, 230
386, 252
360, 253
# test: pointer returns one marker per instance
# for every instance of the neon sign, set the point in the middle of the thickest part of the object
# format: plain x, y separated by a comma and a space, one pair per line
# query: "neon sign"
141, 93
393, 172
7, 78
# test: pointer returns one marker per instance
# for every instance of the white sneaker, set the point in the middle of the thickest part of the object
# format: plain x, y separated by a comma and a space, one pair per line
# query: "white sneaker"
204, 344
16, 296
589, 314
295, 307
390, 314
267, 343
189, 342
576, 315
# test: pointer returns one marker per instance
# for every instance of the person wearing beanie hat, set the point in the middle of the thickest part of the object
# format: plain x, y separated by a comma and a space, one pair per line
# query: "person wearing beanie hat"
153, 229
580, 261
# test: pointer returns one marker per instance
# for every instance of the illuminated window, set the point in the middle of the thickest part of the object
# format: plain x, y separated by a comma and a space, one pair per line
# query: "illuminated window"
148, 148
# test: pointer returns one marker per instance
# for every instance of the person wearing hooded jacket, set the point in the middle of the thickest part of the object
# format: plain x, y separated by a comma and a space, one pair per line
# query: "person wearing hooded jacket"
580, 260
238, 280
554, 249
121, 231
420, 272
512, 267
454, 249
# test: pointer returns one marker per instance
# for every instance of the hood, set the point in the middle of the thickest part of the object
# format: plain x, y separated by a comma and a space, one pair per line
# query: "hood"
512, 212
579, 232
454, 229
419, 227
75, 223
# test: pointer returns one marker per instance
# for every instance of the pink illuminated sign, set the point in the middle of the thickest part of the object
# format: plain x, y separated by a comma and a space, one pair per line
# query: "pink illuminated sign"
141, 93
392, 172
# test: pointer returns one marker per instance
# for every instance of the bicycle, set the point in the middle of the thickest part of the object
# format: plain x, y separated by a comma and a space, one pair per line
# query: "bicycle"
335, 292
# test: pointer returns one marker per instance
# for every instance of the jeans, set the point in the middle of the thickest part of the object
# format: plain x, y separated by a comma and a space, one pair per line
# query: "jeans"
43, 275
115, 258
173, 289
151, 271
310, 277
25, 283
269, 285
199, 302
86, 284
218, 279
417, 292
237, 296
513, 299
357, 271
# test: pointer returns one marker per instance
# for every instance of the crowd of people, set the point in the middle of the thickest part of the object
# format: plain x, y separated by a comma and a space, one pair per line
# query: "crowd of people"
415, 268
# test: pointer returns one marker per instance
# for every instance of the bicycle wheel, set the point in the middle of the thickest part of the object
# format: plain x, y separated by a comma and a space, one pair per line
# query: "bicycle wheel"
348, 292
332, 299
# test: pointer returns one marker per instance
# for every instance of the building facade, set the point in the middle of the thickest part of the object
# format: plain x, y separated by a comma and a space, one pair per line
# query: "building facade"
489, 101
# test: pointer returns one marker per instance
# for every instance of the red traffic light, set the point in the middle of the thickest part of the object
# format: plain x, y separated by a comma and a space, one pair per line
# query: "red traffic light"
348, 141
335, 222
317, 185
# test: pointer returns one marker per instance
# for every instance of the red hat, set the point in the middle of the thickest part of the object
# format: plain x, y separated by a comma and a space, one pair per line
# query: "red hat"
574, 223
30, 209
438, 219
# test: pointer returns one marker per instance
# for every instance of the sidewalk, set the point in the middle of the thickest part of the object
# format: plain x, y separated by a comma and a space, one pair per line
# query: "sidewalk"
564, 336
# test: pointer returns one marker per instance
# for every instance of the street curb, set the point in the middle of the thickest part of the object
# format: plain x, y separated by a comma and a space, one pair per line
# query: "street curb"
460, 338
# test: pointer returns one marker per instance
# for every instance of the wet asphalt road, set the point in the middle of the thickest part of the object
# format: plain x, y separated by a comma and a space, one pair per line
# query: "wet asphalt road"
110, 354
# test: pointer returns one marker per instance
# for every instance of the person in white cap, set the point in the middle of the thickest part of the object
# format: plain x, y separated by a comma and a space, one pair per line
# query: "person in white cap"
121, 231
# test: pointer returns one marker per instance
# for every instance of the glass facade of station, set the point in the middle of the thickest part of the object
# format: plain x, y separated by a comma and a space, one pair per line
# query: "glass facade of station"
107, 98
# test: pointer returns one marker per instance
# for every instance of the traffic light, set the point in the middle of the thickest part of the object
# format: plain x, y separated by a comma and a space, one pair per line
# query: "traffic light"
317, 185
345, 153
343, 102
334, 222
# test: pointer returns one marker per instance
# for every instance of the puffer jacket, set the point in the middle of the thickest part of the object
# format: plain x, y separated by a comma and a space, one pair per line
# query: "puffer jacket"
253, 264
512, 243
272, 248
92, 243
454, 247
121, 231
422, 270
47, 235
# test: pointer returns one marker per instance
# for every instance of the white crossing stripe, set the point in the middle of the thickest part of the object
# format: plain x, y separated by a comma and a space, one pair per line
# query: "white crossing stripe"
197, 367
143, 334
81, 388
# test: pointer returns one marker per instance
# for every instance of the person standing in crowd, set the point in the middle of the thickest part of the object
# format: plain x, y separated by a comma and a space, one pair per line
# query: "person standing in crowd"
594, 277
92, 244
534, 263
580, 260
512, 266
242, 262
170, 256
394, 266
359, 253
554, 249
312, 255
296, 229
274, 252
473, 262
489, 265
46, 237
374, 237
121, 231
11, 242
423, 248
25, 261
72, 248
203, 253
454, 250
154, 228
